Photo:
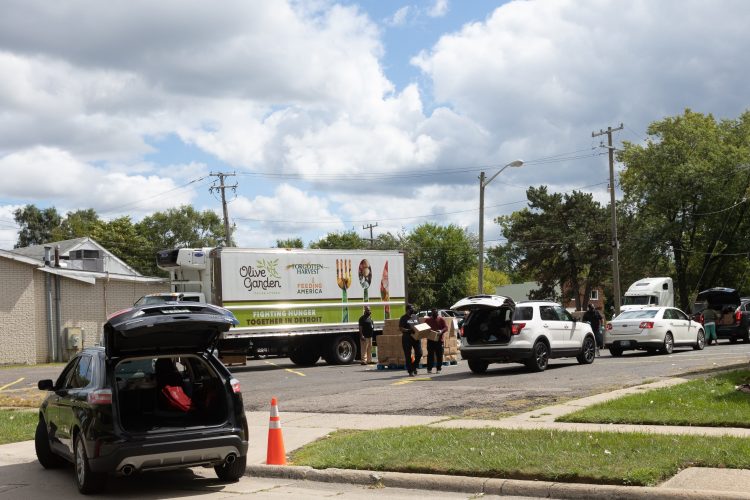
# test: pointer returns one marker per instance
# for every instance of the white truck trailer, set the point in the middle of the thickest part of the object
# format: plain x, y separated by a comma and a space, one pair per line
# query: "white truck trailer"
292, 302
649, 292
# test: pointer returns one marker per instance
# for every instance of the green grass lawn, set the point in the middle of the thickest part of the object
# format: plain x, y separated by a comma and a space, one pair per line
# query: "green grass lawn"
711, 401
608, 458
17, 425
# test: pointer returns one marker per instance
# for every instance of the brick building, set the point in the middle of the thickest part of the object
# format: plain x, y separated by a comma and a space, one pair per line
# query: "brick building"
49, 310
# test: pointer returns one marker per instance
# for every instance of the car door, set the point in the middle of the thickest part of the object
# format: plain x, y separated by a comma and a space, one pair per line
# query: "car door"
73, 400
53, 406
571, 330
676, 325
556, 330
690, 328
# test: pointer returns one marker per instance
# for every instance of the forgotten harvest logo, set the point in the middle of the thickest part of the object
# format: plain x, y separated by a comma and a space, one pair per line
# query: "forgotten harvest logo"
264, 275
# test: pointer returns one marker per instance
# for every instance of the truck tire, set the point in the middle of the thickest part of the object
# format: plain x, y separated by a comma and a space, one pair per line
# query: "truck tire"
342, 351
304, 355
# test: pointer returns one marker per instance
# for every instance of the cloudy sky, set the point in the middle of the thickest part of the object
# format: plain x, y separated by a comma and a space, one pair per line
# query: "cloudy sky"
337, 114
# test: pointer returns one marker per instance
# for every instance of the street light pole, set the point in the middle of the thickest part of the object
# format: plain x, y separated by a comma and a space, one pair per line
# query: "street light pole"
483, 184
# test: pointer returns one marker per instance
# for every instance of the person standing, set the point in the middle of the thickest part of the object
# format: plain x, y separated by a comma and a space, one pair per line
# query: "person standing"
366, 333
594, 318
709, 325
408, 343
435, 347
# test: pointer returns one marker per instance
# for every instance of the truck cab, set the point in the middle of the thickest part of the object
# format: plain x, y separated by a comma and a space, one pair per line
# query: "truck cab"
649, 292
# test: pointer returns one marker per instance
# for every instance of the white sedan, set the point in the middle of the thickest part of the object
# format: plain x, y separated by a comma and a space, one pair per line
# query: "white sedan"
653, 329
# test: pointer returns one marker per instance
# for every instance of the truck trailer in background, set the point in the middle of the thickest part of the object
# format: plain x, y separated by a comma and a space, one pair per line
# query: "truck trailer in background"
304, 304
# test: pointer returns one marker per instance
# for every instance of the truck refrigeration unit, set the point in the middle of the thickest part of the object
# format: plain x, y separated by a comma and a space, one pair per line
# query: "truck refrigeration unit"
303, 304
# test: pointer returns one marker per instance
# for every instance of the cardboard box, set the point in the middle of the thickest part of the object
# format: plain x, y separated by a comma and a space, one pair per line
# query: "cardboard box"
421, 331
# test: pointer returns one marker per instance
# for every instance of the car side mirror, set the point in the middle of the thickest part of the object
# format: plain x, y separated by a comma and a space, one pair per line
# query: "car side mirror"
46, 385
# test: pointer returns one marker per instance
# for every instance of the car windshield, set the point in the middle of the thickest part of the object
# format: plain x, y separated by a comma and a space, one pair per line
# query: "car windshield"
646, 313
636, 300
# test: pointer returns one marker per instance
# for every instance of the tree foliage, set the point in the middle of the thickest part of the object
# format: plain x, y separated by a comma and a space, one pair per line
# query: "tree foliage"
182, 227
685, 197
290, 243
347, 240
36, 225
559, 240
439, 260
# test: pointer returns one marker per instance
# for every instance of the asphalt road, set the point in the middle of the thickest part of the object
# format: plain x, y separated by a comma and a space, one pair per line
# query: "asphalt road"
456, 391
503, 389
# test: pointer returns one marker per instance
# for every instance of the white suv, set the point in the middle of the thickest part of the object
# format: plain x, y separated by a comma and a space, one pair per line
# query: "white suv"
497, 330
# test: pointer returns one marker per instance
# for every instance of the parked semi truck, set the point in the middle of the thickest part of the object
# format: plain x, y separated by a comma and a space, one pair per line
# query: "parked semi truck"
304, 304
649, 292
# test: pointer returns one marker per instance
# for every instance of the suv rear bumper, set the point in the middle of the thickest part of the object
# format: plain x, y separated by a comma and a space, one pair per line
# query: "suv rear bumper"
731, 332
143, 456
495, 353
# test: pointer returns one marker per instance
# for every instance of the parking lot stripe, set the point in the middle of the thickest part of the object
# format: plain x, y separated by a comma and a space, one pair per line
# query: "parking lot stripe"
287, 369
410, 380
12, 383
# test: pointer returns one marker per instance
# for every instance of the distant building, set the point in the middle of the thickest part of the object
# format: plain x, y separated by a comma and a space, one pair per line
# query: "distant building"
50, 307
521, 291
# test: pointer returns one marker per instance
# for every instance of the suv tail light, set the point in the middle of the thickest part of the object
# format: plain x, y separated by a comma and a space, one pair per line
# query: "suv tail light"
608, 327
738, 316
646, 324
100, 397
235, 386
516, 328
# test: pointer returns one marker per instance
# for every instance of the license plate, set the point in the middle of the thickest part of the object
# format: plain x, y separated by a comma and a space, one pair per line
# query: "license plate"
625, 343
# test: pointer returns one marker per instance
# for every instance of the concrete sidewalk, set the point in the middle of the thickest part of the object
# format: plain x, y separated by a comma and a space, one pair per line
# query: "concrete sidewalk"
303, 428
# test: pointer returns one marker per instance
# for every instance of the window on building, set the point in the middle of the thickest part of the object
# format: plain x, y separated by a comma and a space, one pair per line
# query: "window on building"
594, 295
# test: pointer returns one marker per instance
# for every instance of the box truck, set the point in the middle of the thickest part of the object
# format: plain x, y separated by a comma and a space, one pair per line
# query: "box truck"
649, 292
304, 304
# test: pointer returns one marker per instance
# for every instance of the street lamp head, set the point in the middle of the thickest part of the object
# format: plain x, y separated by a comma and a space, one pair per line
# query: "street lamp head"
515, 163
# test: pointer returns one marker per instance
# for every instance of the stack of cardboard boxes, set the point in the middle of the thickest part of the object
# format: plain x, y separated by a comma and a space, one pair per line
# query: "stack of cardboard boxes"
391, 352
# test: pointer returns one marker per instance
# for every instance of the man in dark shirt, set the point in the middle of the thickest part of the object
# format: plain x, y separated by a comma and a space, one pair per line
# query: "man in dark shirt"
594, 318
366, 333
408, 342
435, 347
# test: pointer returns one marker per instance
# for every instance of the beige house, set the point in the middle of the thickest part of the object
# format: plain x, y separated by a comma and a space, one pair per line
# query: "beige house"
49, 310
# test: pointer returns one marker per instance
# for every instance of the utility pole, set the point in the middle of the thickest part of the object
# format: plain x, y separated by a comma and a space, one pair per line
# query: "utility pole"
223, 187
615, 243
370, 227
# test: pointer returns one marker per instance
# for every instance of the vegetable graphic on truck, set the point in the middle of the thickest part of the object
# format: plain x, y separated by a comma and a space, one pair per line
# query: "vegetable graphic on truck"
303, 304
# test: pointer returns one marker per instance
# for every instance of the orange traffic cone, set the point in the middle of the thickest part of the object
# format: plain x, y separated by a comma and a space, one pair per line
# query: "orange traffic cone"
276, 454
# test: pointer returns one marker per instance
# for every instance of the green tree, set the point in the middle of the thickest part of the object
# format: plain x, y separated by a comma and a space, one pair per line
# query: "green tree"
36, 225
121, 237
290, 243
348, 240
77, 224
439, 260
492, 280
182, 227
686, 191
560, 240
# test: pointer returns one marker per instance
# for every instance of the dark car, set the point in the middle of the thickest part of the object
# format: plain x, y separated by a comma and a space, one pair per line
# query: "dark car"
733, 313
154, 397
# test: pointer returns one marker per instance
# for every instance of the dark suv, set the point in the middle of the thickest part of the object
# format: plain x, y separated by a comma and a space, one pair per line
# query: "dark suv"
732, 312
154, 397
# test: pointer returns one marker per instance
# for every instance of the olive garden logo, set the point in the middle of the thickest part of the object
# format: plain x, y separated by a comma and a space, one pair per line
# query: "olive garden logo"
264, 276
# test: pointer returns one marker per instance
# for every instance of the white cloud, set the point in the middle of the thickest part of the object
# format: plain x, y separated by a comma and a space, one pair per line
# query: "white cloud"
400, 17
8, 227
49, 173
300, 87
438, 9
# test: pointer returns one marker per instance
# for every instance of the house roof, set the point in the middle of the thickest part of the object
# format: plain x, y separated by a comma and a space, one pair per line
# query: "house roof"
31, 256
67, 246
37, 251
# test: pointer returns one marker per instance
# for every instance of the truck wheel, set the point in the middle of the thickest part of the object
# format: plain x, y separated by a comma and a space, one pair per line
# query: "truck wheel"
341, 351
304, 355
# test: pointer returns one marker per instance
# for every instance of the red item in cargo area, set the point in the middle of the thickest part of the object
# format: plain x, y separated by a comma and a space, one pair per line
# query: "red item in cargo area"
176, 398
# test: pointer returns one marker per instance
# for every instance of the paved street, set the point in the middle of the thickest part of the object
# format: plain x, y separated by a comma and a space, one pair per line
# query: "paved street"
456, 391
